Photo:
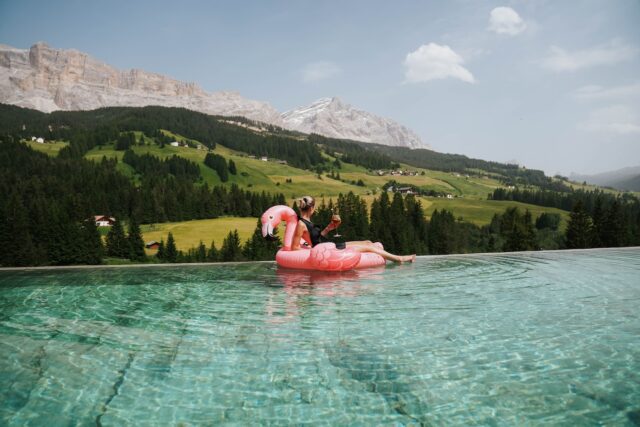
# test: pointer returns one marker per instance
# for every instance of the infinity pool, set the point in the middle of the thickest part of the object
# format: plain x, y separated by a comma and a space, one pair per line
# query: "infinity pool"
544, 338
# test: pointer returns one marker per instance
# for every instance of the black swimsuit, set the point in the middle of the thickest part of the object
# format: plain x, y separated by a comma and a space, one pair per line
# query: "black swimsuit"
316, 234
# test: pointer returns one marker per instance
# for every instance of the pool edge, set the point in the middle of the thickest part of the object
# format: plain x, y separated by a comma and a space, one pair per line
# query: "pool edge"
213, 264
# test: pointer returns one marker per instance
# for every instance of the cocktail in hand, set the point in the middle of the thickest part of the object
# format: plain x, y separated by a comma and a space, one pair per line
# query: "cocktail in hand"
336, 221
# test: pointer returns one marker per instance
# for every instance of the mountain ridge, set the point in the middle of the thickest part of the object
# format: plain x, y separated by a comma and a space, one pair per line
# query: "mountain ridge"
334, 118
49, 79
622, 179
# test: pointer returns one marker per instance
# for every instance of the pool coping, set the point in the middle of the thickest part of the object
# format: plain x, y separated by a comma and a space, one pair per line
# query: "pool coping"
213, 264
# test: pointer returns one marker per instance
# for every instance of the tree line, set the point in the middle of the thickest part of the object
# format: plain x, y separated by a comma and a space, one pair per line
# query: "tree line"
47, 202
509, 174
604, 226
148, 164
256, 248
86, 129
608, 220
354, 153
220, 165
400, 224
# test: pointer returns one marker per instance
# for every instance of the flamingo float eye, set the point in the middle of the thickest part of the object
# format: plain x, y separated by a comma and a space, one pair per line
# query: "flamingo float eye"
270, 216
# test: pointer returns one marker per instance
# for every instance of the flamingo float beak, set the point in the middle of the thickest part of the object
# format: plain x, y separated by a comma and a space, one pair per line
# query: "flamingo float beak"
267, 231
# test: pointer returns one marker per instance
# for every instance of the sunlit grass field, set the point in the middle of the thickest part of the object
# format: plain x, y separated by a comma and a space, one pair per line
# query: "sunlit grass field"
51, 148
480, 212
188, 234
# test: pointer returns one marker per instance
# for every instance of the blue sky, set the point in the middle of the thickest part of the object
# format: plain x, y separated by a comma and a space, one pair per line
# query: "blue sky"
553, 85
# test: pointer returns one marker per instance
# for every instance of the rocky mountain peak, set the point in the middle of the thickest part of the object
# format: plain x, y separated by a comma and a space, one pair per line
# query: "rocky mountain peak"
49, 79
334, 118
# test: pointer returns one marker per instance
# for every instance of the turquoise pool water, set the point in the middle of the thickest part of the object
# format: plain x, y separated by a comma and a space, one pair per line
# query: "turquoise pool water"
544, 338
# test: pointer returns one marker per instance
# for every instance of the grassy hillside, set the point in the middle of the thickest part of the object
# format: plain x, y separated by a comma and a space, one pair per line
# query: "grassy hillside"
469, 203
51, 148
188, 234
272, 176
480, 212
470, 192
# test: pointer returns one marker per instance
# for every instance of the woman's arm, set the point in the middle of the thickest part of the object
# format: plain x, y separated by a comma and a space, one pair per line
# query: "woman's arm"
327, 229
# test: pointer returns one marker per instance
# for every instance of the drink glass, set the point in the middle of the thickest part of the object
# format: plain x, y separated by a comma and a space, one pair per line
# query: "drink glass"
336, 220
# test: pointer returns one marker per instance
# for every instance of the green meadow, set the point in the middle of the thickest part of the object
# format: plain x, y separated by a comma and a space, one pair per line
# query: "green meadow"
51, 148
469, 203
188, 234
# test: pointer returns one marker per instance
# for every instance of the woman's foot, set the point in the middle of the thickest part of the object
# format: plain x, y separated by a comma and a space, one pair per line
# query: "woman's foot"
408, 258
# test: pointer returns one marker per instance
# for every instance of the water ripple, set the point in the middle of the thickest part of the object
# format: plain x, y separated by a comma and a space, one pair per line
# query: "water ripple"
509, 339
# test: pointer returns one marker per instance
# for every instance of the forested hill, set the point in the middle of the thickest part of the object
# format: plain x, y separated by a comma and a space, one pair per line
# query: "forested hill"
510, 174
156, 165
86, 129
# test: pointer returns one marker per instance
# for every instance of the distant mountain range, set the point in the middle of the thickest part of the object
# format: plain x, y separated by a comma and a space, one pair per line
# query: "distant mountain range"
48, 79
621, 179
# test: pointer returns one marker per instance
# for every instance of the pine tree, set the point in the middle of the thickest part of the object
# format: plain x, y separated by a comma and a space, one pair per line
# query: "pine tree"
117, 245
598, 231
512, 231
417, 224
530, 236
170, 252
161, 252
135, 242
613, 234
379, 225
232, 167
399, 225
257, 248
212, 254
231, 250
201, 253
92, 243
578, 234
442, 233
16, 244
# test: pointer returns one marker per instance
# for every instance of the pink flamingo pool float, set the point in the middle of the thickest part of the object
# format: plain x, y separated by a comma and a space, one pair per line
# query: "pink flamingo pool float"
323, 256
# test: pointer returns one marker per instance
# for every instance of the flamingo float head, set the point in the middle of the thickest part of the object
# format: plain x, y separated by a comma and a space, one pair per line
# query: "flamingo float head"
272, 218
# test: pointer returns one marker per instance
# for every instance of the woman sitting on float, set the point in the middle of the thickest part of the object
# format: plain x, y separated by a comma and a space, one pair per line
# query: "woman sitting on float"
319, 253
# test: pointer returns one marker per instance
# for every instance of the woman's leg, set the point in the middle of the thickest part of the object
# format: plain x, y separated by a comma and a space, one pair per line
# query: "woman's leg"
370, 247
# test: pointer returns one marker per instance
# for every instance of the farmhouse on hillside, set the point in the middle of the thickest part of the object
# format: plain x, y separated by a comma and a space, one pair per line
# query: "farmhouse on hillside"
405, 190
152, 245
104, 220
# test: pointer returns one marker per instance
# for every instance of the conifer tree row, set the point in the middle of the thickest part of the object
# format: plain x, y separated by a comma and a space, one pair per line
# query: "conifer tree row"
218, 164
48, 205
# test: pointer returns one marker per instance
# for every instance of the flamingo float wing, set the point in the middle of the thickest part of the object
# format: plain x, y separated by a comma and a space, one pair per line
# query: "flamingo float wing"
325, 256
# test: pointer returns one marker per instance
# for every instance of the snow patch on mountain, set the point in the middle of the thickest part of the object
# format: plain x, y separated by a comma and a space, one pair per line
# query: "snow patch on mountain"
334, 118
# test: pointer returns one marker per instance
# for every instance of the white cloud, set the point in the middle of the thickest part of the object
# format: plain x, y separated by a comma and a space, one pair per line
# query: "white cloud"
604, 54
616, 119
504, 20
432, 61
320, 70
593, 92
